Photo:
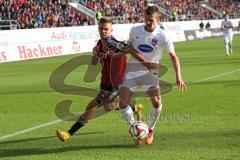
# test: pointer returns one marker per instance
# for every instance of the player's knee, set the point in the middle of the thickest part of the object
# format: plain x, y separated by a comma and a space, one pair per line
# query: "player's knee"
109, 107
122, 104
156, 103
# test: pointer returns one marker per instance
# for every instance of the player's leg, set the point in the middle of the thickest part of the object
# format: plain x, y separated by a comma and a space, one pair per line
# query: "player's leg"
127, 111
103, 103
153, 93
111, 106
151, 87
230, 44
94, 109
81, 121
125, 97
156, 107
103, 109
226, 44
125, 93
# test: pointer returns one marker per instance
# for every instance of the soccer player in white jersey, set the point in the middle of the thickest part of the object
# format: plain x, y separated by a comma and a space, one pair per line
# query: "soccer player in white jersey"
227, 27
147, 41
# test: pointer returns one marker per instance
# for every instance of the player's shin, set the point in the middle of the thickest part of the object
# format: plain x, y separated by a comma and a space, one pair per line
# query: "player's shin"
230, 48
226, 49
77, 125
154, 116
128, 114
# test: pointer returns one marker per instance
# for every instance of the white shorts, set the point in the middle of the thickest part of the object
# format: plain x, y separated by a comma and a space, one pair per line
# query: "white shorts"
146, 81
228, 37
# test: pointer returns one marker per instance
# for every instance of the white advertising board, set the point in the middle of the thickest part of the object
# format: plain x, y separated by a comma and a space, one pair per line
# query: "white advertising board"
28, 44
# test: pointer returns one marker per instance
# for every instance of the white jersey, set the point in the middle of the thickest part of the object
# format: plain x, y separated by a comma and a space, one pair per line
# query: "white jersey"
225, 24
150, 45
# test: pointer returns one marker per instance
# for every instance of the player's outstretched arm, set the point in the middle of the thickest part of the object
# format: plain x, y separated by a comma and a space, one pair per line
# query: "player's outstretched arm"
177, 69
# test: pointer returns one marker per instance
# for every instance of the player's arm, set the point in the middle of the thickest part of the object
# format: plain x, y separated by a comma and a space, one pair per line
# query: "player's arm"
222, 26
175, 62
140, 58
94, 60
177, 69
114, 49
231, 25
95, 56
112, 45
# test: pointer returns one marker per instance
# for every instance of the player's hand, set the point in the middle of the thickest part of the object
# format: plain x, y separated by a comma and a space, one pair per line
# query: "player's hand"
181, 85
112, 50
96, 50
151, 65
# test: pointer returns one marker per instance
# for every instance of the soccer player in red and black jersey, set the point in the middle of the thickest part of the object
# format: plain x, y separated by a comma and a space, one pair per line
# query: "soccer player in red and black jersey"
113, 68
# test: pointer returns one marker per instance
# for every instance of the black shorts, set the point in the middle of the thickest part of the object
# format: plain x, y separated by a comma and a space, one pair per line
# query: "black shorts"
107, 94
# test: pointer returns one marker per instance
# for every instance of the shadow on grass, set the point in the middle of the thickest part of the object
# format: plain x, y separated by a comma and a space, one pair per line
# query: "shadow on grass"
166, 141
41, 151
44, 138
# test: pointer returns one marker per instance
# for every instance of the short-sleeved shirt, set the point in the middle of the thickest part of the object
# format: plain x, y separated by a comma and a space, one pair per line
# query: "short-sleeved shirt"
113, 68
149, 45
225, 29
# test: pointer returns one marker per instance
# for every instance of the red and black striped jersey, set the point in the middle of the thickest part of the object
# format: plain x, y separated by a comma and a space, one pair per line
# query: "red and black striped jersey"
113, 67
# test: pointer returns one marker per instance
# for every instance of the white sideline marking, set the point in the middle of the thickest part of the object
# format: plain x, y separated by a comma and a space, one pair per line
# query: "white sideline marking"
216, 76
60, 120
30, 129
34, 128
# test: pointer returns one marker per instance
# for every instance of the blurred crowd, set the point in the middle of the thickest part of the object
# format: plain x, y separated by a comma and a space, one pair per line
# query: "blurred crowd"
40, 13
57, 13
192, 10
132, 10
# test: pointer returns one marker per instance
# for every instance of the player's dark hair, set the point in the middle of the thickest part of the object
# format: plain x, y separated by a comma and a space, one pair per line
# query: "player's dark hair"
151, 10
104, 20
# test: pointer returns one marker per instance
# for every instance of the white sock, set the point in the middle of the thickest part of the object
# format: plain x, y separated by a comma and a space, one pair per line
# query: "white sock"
154, 116
128, 114
226, 48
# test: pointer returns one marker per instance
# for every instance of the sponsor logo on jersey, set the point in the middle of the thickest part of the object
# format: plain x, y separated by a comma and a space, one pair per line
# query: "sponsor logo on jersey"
154, 42
145, 48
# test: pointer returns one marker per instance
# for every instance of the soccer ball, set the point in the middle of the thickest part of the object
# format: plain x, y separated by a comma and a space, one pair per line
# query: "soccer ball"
139, 130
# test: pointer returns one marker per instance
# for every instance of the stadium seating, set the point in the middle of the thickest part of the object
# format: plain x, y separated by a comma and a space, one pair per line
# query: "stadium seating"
132, 10
40, 14
52, 13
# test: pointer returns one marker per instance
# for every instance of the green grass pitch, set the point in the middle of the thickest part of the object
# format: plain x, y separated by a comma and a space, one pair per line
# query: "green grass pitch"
203, 123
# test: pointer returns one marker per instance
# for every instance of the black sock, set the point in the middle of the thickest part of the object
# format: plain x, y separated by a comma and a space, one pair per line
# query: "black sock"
79, 124
132, 106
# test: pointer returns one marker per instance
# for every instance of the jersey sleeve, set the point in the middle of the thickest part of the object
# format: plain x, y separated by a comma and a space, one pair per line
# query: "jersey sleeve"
222, 25
168, 43
131, 36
